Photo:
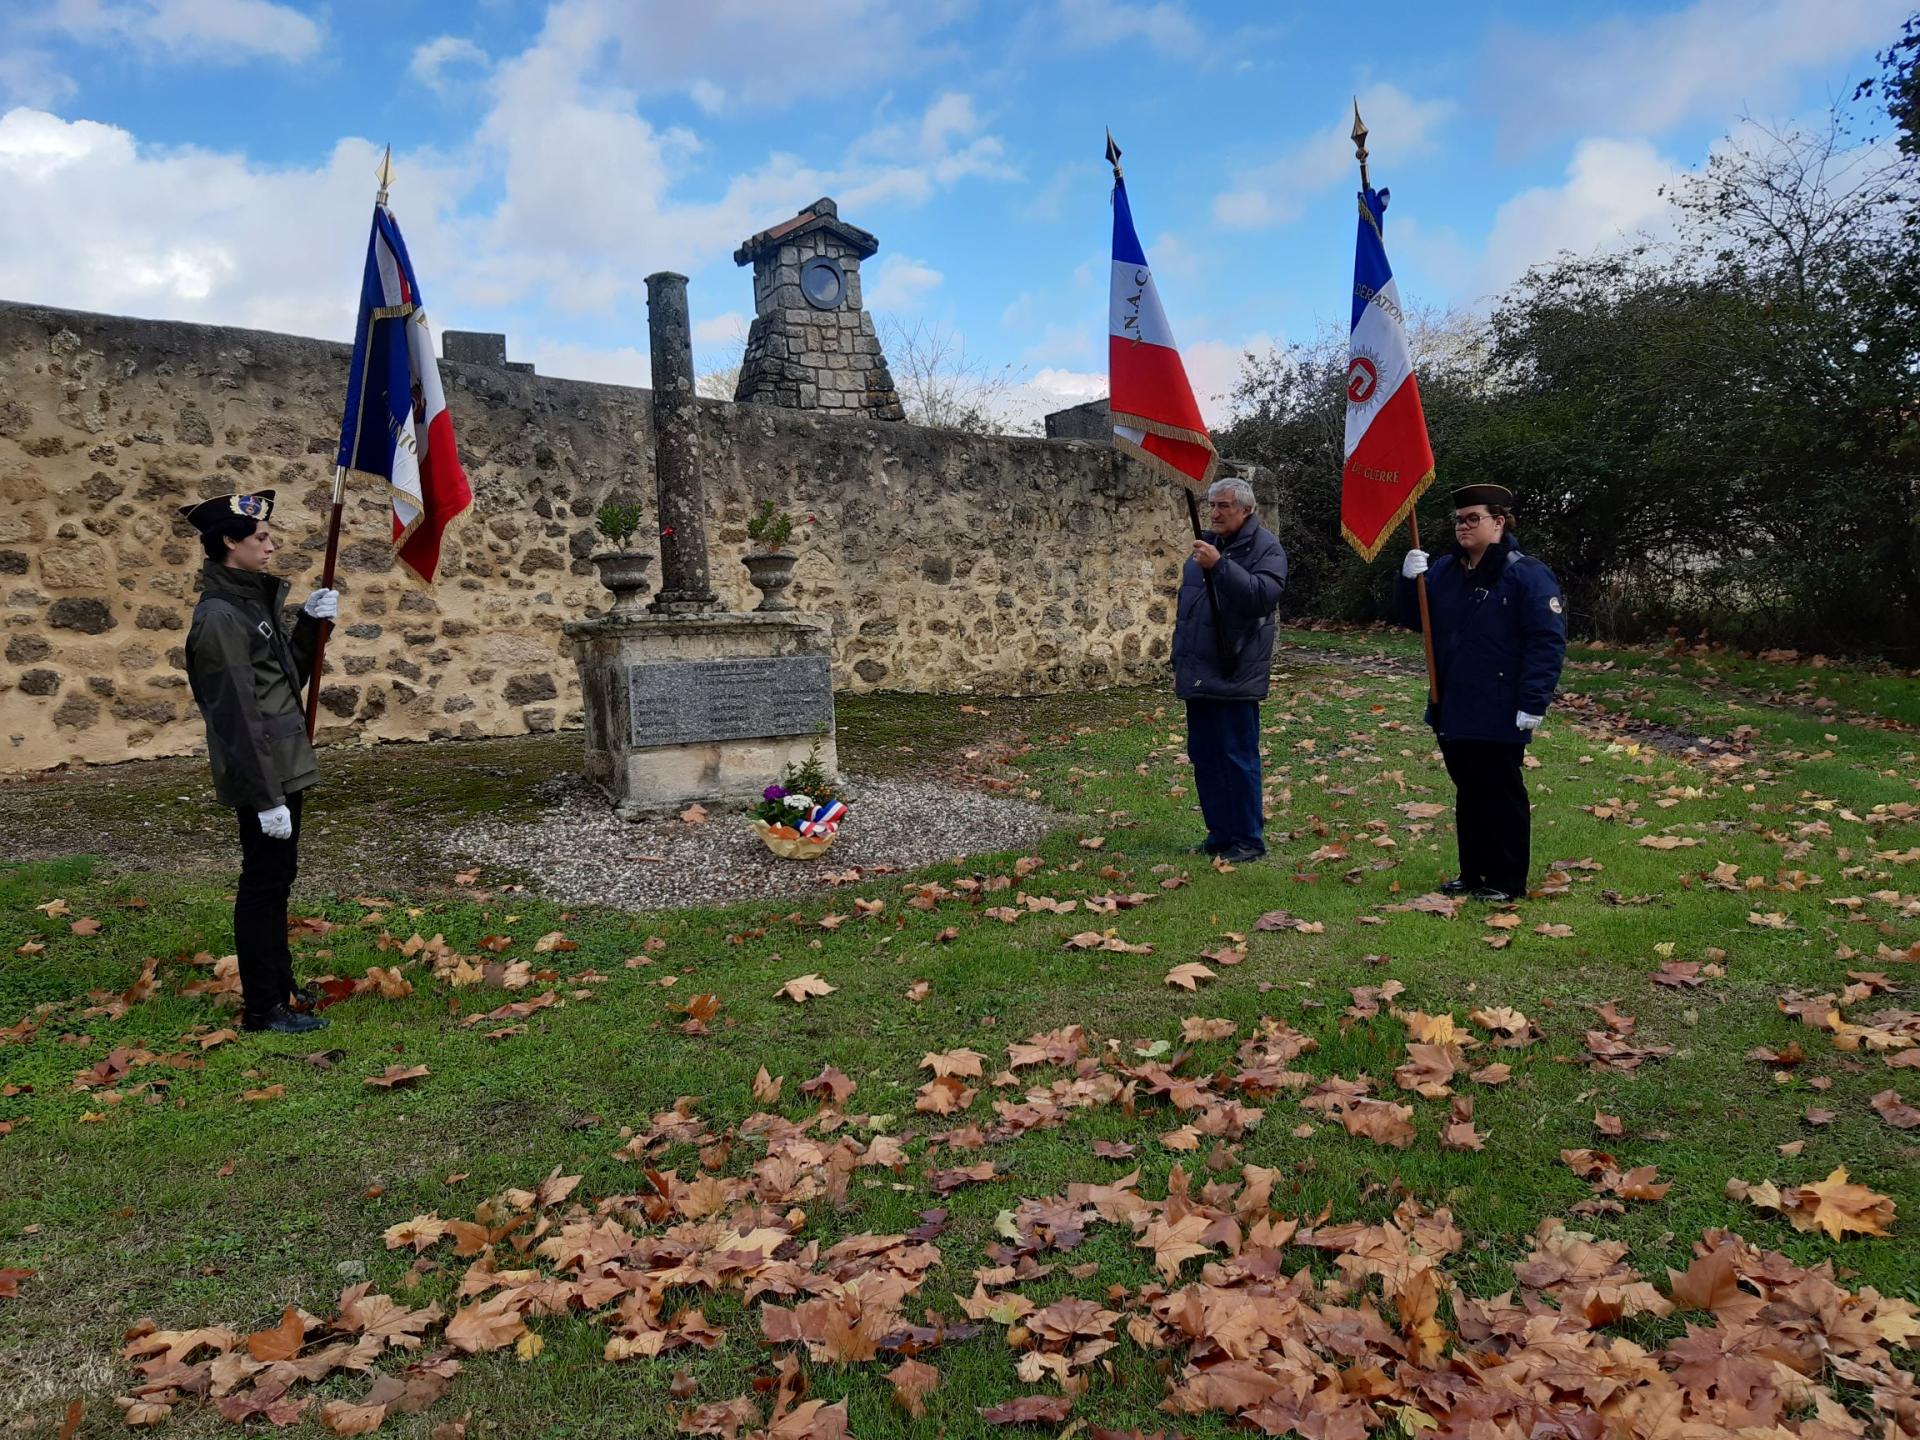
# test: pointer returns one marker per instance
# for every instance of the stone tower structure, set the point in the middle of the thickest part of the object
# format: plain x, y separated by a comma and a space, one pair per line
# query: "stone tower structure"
812, 345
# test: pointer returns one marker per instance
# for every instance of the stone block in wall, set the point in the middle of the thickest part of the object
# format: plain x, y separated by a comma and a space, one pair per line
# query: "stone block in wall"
88, 616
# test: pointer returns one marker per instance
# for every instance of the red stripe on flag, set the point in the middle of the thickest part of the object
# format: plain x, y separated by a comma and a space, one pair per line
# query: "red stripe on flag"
444, 493
1150, 381
1385, 473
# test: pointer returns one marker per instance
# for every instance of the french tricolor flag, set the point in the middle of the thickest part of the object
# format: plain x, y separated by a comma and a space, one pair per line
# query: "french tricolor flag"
1154, 415
396, 429
1389, 459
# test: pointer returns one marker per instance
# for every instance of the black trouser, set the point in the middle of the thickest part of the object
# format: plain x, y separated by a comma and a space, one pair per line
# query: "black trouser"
1490, 812
267, 870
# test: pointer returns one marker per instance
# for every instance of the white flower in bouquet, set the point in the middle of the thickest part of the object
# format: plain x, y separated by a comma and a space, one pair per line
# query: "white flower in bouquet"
799, 802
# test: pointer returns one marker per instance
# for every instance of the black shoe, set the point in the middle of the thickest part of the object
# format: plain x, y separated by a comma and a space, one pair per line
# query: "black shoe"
1493, 894
283, 1021
1458, 885
309, 997
1242, 855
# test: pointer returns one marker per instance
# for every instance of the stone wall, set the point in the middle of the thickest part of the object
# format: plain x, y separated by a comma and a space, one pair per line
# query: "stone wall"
945, 561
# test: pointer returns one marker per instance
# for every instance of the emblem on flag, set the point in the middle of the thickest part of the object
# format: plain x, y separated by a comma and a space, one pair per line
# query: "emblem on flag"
1389, 460
396, 429
1155, 418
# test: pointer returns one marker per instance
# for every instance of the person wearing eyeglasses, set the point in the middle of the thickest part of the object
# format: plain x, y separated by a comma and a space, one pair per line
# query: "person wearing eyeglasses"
1223, 662
1499, 639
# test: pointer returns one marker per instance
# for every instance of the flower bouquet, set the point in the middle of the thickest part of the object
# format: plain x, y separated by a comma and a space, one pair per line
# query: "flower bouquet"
799, 819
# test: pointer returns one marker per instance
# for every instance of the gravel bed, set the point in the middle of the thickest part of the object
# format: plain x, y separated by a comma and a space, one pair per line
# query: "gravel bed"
577, 851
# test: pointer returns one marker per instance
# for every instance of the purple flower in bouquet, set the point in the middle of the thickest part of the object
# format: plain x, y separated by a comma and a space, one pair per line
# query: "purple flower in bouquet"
773, 792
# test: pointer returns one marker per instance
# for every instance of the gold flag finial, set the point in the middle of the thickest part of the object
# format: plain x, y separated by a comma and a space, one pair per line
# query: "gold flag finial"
1113, 153
385, 176
1360, 141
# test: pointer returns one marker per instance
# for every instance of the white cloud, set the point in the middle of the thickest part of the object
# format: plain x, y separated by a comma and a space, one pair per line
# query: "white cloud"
1611, 194
1276, 193
1095, 24
1642, 74
625, 365
1213, 369
30, 77
725, 330
223, 30
708, 96
97, 222
899, 282
431, 61
767, 54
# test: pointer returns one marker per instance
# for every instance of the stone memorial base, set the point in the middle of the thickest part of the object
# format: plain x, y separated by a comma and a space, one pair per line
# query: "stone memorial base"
707, 707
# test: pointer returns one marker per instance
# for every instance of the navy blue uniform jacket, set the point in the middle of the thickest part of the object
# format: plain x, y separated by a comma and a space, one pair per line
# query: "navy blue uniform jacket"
1251, 573
1499, 638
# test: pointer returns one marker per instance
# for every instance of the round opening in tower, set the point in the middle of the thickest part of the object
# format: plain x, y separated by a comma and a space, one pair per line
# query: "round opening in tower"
823, 282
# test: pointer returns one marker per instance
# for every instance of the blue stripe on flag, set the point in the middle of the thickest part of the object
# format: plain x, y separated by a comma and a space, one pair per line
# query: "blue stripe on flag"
1370, 269
1126, 244
380, 384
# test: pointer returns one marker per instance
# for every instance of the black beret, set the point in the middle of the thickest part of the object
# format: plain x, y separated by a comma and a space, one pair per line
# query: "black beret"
209, 513
1484, 495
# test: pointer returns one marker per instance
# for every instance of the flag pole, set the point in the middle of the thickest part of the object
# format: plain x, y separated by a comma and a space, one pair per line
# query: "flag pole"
324, 628
1223, 652
1413, 511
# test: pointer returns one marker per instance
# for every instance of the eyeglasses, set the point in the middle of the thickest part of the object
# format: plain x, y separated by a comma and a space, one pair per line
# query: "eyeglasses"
1468, 522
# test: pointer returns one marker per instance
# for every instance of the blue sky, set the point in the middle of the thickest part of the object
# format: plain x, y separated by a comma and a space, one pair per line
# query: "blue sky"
213, 159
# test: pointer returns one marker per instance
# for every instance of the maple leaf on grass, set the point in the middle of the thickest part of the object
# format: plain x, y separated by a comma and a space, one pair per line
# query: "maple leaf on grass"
766, 1088
830, 1087
1027, 1410
282, 1342
1380, 1121
912, 1382
1190, 975
1891, 1108
953, 1062
491, 1324
10, 1283
806, 987
397, 1076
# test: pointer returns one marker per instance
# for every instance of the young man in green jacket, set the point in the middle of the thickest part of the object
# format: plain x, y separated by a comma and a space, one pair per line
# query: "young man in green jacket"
247, 676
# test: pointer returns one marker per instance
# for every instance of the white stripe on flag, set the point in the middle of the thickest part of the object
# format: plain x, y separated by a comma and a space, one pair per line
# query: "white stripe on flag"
1382, 340
1133, 307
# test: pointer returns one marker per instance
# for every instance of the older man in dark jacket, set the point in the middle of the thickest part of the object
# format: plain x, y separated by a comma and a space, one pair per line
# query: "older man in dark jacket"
1222, 657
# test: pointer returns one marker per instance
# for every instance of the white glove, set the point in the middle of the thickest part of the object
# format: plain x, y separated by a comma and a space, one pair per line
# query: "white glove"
323, 604
1414, 564
277, 823
1526, 721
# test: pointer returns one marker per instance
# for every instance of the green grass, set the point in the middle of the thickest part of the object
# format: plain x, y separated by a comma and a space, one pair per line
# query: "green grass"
131, 1216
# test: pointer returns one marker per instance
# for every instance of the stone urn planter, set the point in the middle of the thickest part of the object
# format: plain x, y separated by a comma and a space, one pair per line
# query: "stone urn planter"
771, 572
624, 572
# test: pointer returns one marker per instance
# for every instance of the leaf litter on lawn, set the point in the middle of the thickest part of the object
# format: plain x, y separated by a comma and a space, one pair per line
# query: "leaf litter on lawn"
1240, 1323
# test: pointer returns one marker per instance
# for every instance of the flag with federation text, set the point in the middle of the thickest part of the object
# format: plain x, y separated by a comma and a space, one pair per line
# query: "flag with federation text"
1389, 459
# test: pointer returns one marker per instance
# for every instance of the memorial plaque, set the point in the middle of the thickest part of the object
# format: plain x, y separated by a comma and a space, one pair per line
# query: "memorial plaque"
683, 702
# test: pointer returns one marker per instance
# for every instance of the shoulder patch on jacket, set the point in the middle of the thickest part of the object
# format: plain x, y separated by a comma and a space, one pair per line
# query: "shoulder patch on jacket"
1553, 603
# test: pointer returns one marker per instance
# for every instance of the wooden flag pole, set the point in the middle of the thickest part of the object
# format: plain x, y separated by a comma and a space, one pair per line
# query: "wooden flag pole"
1413, 511
324, 628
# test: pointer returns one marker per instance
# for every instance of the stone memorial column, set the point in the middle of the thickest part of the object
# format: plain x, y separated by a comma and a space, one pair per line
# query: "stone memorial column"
685, 586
